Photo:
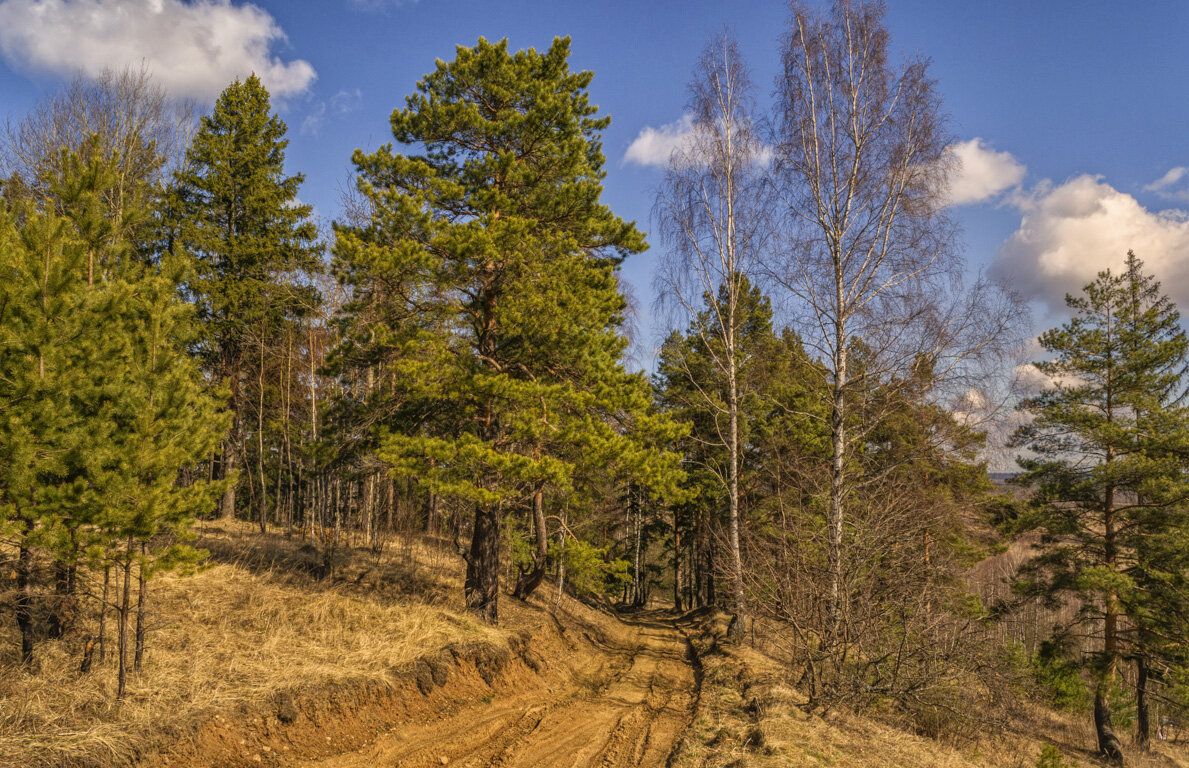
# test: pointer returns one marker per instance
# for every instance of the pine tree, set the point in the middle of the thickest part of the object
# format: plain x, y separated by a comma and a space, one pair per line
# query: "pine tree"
160, 418
43, 331
773, 384
234, 209
500, 260
1107, 440
103, 404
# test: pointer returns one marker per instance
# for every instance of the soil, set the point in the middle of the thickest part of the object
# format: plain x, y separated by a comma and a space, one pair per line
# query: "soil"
578, 688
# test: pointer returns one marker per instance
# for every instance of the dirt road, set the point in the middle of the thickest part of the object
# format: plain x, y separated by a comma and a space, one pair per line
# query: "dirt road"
624, 700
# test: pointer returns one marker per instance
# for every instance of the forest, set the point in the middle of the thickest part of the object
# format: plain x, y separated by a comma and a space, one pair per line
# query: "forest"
181, 341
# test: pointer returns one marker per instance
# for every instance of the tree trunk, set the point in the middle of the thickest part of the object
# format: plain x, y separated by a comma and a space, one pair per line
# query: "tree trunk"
24, 601
482, 584
637, 524
530, 580
103, 613
740, 622
1143, 722
1108, 743
431, 515
122, 624
227, 502
59, 617
837, 478
262, 502
677, 604
142, 598
561, 559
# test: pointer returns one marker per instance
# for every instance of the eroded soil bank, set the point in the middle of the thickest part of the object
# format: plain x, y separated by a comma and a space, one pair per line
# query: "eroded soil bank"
579, 688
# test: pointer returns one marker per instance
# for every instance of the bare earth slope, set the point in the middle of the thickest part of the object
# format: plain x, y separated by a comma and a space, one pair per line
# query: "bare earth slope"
628, 698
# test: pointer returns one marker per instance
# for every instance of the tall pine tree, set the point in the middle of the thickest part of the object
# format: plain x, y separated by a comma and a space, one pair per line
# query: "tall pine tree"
1107, 443
501, 260
234, 209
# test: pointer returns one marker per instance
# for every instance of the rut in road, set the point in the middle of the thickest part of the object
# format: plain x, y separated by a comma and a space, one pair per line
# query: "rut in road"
626, 703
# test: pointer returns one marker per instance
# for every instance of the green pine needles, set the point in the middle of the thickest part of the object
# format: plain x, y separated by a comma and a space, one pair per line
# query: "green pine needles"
103, 406
235, 211
491, 261
1106, 442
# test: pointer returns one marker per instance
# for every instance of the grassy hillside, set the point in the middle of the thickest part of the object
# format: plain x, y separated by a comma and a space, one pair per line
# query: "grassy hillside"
258, 621
751, 716
354, 643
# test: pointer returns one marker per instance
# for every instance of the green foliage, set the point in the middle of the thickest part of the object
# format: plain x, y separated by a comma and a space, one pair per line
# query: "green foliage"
1108, 439
1061, 676
780, 414
592, 570
103, 406
506, 345
235, 212
1107, 442
165, 417
485, 303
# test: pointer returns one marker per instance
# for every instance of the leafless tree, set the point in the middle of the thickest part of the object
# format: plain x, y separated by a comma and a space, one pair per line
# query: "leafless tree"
870, 268
136, 120
711, 210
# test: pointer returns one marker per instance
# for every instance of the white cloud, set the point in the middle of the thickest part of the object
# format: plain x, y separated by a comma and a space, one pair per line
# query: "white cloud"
970, 407
981, 172
972, 400
191, 48
1168, 179
1072, 231
1031, 381
653, 146
1168, 186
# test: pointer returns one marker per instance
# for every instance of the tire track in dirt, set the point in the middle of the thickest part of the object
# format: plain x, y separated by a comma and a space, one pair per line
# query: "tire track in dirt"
626, 701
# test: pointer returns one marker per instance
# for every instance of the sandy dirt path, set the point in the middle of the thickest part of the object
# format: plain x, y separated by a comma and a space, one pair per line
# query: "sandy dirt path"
626, 701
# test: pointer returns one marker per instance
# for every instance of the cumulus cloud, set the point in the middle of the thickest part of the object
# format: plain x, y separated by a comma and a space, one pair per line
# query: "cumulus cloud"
981, 173
1069, 232
653, 146
193, 49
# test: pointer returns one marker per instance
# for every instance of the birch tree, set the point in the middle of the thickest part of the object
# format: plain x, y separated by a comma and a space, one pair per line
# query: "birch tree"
869, 268
712, 215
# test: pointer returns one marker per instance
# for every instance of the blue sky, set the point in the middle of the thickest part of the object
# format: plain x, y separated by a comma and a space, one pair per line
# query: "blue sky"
1079, 108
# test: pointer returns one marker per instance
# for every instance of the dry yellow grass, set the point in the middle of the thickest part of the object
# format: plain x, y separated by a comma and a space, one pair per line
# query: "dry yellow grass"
253, 624
724, 731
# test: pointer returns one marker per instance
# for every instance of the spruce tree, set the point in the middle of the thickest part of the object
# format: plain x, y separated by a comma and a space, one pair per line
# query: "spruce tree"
1106, 442
236, 212
496, 261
